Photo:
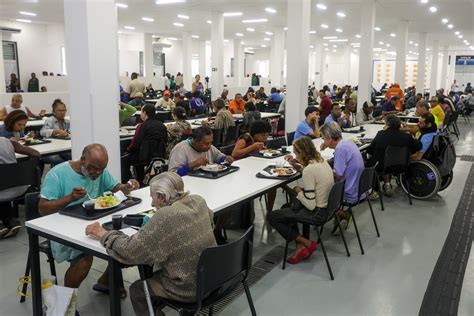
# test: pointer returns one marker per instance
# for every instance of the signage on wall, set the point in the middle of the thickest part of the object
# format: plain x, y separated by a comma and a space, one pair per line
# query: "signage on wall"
464, 60
214, 69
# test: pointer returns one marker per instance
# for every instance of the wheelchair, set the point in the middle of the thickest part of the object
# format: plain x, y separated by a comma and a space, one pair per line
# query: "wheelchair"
434, 172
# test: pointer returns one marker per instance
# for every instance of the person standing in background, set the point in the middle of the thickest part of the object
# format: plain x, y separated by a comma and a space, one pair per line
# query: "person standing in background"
179, 79
33, 83
14, 83
135, 86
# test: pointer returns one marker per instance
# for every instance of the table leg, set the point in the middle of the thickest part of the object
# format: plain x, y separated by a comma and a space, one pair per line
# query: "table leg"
114, 287
35, 274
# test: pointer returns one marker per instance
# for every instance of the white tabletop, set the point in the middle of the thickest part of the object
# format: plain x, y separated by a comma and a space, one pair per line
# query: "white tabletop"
264, 115
56, 146
231, 189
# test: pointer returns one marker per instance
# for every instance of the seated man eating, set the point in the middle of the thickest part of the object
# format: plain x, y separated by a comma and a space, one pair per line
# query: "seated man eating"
71, 183
195, 152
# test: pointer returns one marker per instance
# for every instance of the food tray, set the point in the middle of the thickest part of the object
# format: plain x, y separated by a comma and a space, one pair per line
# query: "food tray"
79, 211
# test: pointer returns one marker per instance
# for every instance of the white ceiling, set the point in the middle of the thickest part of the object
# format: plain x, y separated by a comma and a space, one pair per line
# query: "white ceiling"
388, 15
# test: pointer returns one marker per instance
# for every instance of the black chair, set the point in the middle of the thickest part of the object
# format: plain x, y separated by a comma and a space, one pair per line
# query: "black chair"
220, 270
366, 181
31, 206
276, 143
227, 150
217, 137
289, 138
334, 203
231, 135
130, 121
396, 162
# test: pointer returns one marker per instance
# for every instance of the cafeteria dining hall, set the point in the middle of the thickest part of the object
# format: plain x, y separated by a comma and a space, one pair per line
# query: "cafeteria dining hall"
234, 158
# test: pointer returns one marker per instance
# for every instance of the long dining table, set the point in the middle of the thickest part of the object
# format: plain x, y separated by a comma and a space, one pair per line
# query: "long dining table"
220, 194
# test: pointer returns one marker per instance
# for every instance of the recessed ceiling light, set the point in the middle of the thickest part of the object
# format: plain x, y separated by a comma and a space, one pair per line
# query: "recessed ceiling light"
424, 1
334, 50
23, 20
355, 50
121, 5
250, 29
250, 47
433, 9
460, 36
334, 46
209, 22
324, 26
325, 44
450, 26
148, 19
457, 32
255, 21
195, 36
381, 43
339, 30
286, 28
169, 1
264, 46
393, 34
269, 33
119, 32
377, 29
226, 41
172, 38
27, 13
358, 36
341, 14
326, 49
242, 43
232, 13
178, 24
311, 46
267, 39
444, 20
321, 6
312, 32
416, 44
410, 42
239, 34
388, 45
428, 49
329, 37
338, 40
129, 27
270, 10
182, 16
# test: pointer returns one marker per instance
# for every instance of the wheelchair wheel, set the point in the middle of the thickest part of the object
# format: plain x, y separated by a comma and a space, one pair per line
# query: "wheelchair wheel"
423, 179
446, 181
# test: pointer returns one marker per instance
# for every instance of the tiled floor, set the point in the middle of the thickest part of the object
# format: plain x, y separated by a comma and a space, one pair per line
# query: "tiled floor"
390, 279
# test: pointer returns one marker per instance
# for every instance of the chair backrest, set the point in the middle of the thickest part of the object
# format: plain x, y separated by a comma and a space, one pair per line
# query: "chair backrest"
227, 150
231, 135
31, 205
335, 198
130, 121
25, 172
276, 143
366, 180
289, 138
396, 159
224, 265
217, 137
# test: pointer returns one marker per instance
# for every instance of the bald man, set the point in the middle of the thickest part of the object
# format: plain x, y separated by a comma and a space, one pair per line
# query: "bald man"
70, 183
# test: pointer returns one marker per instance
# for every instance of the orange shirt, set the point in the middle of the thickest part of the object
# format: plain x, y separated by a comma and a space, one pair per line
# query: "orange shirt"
396, 91
234, 106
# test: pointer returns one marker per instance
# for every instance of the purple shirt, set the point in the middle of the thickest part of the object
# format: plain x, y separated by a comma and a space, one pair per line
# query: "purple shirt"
348, 164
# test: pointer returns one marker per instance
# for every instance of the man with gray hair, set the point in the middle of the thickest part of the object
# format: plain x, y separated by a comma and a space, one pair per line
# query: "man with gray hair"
71, 183
17, 104
348, 165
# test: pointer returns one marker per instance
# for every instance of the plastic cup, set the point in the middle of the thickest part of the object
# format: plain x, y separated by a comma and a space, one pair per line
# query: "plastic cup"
117, 222
284, 149
89, 206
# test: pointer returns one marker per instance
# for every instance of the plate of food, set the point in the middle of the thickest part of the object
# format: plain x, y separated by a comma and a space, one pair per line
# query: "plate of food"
270, 152
214, 167
283, 171
104, 202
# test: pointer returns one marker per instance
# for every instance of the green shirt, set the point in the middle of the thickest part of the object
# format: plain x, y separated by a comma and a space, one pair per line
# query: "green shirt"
126, 112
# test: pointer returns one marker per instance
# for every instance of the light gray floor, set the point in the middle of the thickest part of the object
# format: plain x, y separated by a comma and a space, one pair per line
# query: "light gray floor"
390, 279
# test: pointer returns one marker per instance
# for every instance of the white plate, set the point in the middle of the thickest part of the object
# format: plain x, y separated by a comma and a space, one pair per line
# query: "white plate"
271, 152
211, 167
101, 208
287, 174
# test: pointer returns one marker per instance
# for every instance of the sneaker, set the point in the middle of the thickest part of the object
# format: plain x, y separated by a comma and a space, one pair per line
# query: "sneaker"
3, 230
13, 226
388, 191
374, 196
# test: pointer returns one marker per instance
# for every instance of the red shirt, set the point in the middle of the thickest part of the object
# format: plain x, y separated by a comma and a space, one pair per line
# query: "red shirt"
326, 106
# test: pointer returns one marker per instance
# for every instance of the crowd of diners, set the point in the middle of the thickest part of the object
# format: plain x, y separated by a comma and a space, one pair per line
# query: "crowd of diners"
186, 216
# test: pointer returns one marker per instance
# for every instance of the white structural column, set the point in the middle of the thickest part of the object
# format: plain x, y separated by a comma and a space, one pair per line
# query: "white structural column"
444, 69
318, 82
402, 38
187, 60
238, 62
347, 64
420, 79
90, 28
202, 58
366, 54
148, 55
434, 68
323, 67
217, 54
276, 60
2, 67
299, 12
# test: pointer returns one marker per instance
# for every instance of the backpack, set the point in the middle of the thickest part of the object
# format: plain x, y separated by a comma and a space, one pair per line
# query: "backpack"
442, 154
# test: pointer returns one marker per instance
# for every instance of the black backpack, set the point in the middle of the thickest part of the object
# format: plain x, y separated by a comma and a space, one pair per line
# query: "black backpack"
442, 154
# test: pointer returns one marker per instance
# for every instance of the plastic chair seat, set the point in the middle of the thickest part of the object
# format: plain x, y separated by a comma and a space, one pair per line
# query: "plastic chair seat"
10, 194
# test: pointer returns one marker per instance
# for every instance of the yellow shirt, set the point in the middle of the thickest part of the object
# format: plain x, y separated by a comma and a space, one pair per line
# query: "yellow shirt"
438, 113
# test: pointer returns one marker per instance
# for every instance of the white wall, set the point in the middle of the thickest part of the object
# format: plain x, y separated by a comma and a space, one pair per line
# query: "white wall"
37, 101
39, 48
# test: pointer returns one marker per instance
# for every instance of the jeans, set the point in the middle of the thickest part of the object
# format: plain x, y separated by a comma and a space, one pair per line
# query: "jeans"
56, 159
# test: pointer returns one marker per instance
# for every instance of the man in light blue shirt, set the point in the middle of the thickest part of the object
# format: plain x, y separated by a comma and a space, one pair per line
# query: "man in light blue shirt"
275, 96
336, 116
310, 125
72, 183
